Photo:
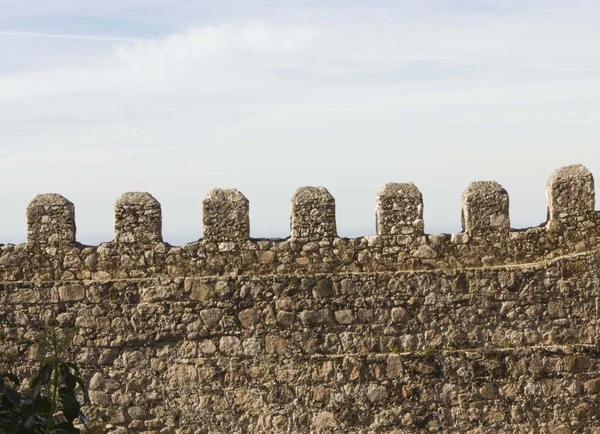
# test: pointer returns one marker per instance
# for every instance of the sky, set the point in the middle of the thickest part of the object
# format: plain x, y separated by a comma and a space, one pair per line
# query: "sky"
176, 97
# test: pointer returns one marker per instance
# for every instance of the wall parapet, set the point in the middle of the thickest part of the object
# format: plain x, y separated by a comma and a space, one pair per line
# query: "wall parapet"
138, 250
51, 221
226, 216
570, 192
138, 219
485, 208
313, 214
400, 210
490, 329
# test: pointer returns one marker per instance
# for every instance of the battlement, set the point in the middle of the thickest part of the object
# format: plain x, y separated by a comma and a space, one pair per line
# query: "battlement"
313, 246
490, 329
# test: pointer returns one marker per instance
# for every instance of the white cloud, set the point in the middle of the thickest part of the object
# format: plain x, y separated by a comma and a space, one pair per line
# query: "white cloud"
268, 107
42, 35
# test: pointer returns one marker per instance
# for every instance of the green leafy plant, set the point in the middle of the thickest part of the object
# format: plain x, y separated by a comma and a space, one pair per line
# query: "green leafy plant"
50, 404
429, 352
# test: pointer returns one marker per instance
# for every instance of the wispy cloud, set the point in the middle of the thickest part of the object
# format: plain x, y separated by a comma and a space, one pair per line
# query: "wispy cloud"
266, 106
17, 34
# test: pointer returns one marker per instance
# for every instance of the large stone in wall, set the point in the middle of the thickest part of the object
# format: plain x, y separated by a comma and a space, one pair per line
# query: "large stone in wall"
138, 219
570, 192
225, 216
313, 214
485, 208
50, 221
399, 210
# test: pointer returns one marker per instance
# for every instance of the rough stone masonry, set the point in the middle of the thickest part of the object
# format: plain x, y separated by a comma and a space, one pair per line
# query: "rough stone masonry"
488, 330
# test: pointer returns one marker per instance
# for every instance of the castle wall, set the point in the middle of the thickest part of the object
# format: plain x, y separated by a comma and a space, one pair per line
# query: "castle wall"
490, 329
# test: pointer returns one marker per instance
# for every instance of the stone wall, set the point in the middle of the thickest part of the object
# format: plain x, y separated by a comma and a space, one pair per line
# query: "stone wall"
489, 330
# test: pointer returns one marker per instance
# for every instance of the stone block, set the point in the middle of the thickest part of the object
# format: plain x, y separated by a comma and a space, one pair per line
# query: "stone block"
570, 192
72, 292
226, 216
485, 208
399, 210
138, 219
51, 221
313, 214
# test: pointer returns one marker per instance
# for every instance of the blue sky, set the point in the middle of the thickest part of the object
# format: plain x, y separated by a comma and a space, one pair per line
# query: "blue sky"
178, 97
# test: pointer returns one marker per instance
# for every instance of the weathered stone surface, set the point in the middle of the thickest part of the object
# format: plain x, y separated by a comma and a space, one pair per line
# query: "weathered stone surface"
487, 331
226, 216
325, 422
400, 315
137, 251
71, 292
138, 219
51, 221
592, 386
399, 210
313, 214
424, 252
570, 192
408, 342
230, 346
211, 317
485, 208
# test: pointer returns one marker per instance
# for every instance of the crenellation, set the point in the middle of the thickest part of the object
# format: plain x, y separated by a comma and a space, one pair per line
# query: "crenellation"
485, 208
570, 192
51, 221
488, 330
225, 216
399, 210
226, 249
138, 219
313, 214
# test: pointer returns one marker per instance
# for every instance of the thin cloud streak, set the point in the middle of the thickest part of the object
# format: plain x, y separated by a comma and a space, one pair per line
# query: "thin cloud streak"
98, 38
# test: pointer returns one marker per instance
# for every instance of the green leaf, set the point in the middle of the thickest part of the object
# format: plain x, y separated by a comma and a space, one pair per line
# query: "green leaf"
70, 407
29, 424
4, 402
35, 392
35, 381
80, 381
10, 426
13, 378
64, 428
44, 406
68, 378
45, 374
13, 396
